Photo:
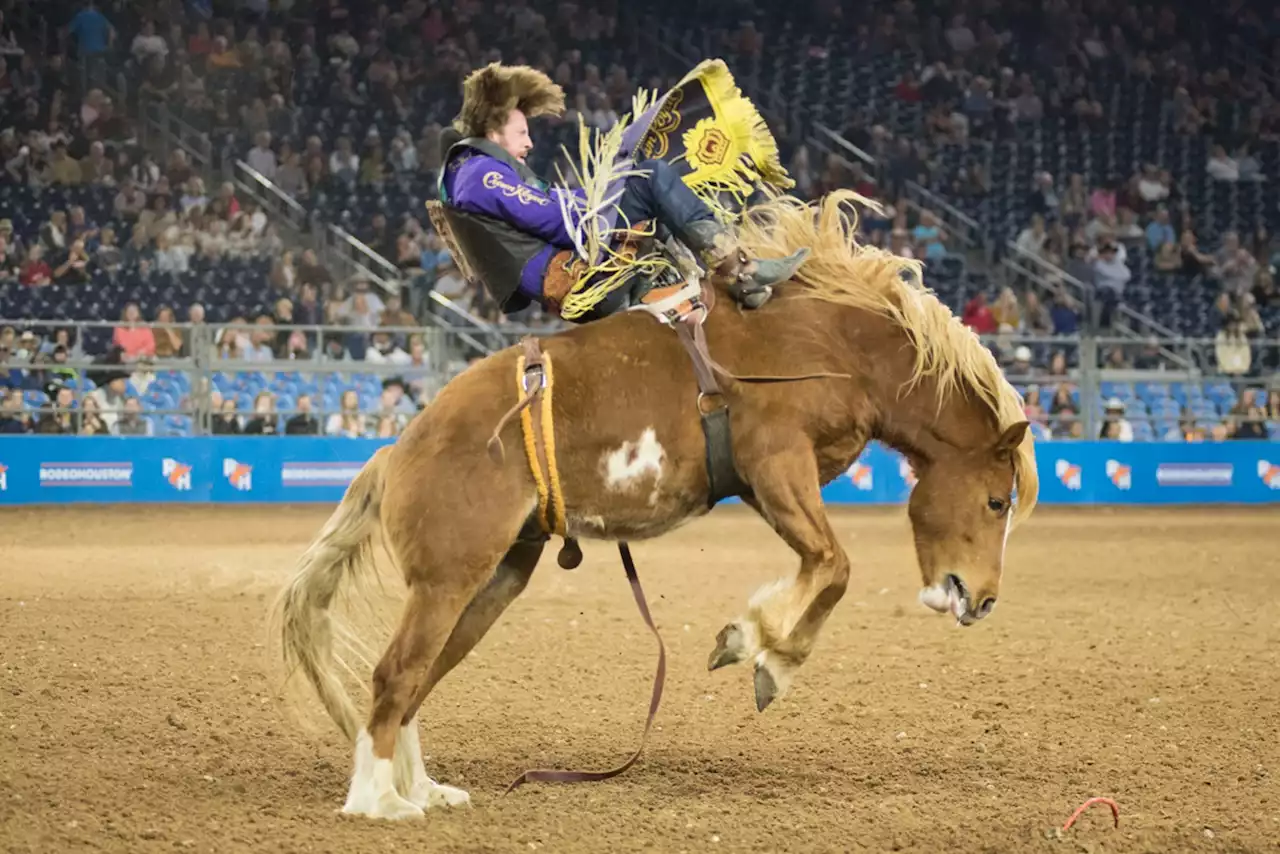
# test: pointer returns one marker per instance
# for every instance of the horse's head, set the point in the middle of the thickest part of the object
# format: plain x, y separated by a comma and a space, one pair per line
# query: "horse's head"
961, 511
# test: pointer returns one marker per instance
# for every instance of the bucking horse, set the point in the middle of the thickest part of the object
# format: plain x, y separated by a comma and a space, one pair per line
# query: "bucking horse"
612, 418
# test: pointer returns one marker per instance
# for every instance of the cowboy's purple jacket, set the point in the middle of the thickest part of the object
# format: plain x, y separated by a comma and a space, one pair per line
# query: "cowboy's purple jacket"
485, 185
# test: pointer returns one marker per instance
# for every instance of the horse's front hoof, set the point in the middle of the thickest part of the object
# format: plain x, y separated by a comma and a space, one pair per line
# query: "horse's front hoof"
772, 677
766, 688
390, 806
731, 647
428, 794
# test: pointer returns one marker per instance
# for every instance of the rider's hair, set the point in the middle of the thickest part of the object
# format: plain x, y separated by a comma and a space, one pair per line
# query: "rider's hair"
489, 95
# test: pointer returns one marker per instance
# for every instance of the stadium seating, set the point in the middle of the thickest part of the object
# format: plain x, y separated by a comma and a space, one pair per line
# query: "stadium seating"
810, 72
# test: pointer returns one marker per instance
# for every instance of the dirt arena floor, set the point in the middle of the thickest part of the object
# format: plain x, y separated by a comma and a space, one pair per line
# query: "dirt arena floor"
1133, 655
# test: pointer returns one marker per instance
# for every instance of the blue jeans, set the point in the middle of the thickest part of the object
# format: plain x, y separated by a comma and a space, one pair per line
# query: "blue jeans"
661, 195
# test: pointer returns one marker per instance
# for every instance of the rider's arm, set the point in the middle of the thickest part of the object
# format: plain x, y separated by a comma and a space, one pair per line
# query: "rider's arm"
495, 190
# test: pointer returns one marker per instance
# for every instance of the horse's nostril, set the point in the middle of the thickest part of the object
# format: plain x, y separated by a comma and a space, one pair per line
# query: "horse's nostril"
987, 606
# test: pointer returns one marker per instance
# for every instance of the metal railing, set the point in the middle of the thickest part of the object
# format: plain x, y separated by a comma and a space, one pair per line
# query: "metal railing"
954, 221
354, 259
185, 391
1158, 398
161, 130
193, 381
1016, 263
1047, 278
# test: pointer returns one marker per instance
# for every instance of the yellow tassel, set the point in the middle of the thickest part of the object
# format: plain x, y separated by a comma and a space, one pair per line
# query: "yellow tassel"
730, 144
709, 194
614, 271
729, 155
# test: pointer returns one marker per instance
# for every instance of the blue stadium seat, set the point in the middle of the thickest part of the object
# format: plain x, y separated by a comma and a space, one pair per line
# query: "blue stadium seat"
1124, 391
1221, 394
1150, 392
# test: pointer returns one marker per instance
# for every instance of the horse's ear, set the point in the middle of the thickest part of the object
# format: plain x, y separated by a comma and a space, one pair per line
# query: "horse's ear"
1011, 438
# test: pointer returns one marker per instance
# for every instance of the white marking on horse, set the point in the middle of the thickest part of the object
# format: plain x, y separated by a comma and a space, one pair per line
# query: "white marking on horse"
769, 590
411, 774
937, 597
373, 792
587, 526
772, 611
1008, 522
634, 461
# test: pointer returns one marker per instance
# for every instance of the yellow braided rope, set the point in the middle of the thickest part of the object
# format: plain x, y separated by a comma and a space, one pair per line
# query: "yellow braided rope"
556, 513
551, 515
531, 449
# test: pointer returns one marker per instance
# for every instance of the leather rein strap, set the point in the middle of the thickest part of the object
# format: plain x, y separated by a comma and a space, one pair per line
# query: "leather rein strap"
535, 382
721, 471
659, 679
723, 478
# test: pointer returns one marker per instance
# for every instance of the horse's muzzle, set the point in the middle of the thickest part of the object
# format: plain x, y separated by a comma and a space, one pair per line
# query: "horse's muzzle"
952, 596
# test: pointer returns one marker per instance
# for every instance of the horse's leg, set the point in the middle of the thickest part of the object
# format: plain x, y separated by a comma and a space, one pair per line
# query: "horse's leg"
507, 583
444, 574
784, 617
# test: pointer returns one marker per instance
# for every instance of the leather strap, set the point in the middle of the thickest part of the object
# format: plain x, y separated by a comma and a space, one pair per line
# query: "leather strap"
695, 343
722, 475
549, 775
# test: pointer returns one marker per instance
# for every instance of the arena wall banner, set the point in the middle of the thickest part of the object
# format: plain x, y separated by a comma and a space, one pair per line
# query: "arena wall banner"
63, 470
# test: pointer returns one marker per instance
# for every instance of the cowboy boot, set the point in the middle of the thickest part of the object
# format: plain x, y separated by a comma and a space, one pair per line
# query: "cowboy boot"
751, 280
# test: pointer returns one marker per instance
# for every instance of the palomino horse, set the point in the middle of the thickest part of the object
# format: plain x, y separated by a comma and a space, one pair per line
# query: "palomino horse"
631, 461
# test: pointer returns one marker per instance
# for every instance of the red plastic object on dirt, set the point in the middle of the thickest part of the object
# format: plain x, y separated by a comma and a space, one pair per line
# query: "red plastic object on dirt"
1115, 811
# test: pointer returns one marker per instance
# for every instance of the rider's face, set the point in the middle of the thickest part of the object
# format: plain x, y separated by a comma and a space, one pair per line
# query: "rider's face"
514, 136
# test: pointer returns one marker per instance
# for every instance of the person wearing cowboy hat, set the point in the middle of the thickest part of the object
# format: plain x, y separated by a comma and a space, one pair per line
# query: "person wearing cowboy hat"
511, 223
1114, 425
111, 394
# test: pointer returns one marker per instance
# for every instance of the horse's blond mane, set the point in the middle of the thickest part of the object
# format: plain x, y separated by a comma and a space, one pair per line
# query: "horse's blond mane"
842, 271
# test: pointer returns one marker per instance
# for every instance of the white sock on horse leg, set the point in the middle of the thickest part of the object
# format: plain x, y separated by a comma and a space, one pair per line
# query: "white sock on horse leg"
410, 765
415, 785
773, 611
373, 791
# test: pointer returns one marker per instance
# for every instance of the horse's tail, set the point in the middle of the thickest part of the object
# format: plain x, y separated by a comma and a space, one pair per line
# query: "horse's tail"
340, 554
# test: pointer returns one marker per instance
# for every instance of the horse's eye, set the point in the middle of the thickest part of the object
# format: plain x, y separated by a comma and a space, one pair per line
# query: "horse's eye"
995, 504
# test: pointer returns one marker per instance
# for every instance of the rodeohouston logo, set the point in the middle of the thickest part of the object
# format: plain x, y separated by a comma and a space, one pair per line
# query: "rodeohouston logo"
86, 474
1194, 474
1119, 474
1269, 472
4, 477
238, 474
1069, 473
907, 472
177, 473
319, 474
861, 476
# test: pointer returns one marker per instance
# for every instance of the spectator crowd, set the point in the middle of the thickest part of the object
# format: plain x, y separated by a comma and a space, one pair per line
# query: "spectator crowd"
340, 105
